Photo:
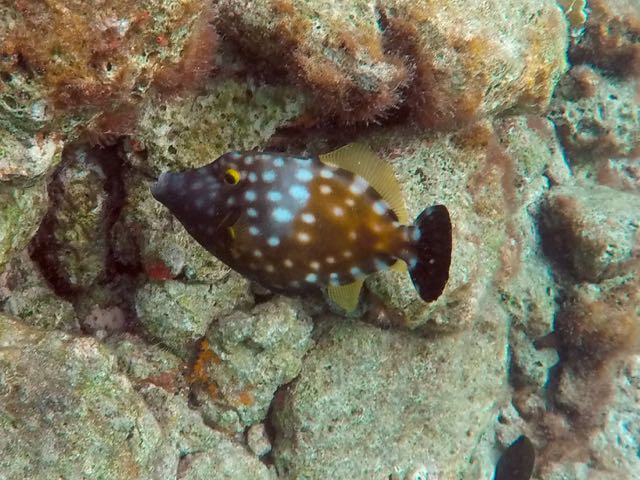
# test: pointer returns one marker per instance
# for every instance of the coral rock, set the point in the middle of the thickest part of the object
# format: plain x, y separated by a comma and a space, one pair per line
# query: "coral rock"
597, 116
72, 242
333, 48
82, 63
229, 114
389, 399
25, 294
192, 450
66, 411
477, 58
21, 211
610, 39
23, 192
593, 232
178, 314
451, 62
246, 357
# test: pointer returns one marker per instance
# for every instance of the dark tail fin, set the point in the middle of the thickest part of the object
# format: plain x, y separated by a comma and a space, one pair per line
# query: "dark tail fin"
429, 270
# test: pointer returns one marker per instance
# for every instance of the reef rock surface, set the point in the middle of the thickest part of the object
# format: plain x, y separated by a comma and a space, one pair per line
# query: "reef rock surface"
129, 352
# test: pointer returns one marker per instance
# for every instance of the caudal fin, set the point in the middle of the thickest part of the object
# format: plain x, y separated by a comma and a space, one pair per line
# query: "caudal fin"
432, 244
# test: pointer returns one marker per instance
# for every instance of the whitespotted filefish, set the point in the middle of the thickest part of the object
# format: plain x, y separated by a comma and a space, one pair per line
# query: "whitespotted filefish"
295, 223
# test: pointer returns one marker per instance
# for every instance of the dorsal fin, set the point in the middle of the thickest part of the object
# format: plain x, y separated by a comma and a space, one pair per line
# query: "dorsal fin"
360, 160
346, 296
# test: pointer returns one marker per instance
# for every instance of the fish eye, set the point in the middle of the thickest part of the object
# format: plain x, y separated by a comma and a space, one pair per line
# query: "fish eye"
231, 176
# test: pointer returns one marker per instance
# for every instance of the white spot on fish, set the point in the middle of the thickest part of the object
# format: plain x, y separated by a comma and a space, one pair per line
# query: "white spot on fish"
350, 202
314, 265
252, 212
252, 177
326, 173
248, 159
308, 218
325, 189
311, 278
274, 196
380, 207
356, 272
334, 278
304, 237
347, 254
269, 268
353, 235
250, 195
358, 186
299, 193
338, 211
304, 175
415, 235
330, 260
287, 263
253, 230
273, 241
257, 253
278, 162
281, 215
269, 176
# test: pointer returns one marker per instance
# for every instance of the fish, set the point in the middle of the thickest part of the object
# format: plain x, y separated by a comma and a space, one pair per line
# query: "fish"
517, 461
297, 223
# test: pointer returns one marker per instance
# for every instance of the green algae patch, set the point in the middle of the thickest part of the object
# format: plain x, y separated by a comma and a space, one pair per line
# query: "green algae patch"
21, 211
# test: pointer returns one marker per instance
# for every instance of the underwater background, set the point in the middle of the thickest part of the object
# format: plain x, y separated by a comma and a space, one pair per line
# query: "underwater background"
127, 351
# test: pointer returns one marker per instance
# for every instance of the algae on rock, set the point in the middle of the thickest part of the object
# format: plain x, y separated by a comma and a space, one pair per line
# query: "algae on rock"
21, 211
369, 402
65, 411
25, 294
227, 115
247, 357
178, 314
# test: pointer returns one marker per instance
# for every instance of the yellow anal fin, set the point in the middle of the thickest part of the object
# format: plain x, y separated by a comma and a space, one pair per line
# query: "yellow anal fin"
360, 160
399, 266
346, 296
239, 231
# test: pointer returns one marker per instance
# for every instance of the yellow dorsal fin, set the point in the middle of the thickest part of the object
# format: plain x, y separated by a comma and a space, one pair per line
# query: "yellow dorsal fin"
360, 160
346, 296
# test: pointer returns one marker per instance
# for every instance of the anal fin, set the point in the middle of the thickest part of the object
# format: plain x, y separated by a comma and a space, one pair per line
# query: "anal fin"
399, 266
346, 296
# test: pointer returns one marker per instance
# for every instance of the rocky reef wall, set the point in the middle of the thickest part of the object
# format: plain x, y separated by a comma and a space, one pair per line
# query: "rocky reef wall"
129, 352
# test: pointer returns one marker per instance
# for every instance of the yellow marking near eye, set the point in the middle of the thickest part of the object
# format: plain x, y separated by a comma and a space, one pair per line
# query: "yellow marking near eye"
232, 176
